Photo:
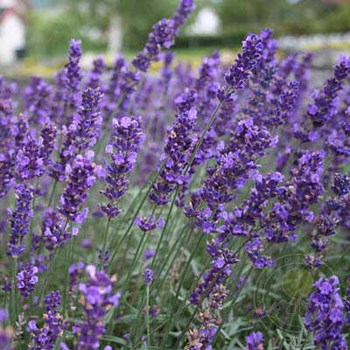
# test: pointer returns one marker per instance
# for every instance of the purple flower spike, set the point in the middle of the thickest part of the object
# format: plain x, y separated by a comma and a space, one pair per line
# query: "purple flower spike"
97, 300
27, 278
74, 74
81, 177
325, 100
148, 254
124, 145
162, 36
184, 10
30, 157
149, 223
53, 230
148, 276
255, 341
254, 249
238, 74
85, 131
45, 338
20, 220
180, 143
325, 315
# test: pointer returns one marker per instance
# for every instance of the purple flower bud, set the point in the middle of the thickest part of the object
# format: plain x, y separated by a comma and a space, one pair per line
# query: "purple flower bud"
255, 341
148, 276
27, 278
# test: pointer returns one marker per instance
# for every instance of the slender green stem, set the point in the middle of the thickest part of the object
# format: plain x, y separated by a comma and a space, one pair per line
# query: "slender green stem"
14, 292
182, 278
144, 198
201, 139
52, 193
165, 226
68, 260
147, 319
175, 252
105, 239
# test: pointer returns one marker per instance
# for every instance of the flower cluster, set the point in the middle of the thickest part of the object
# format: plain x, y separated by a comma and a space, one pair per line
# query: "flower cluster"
255, 341
97, 300
45, 338
124, 145
162, 36
20, 220
53, 230
325, 314
180, 143
81, 177
27, 278
149, 223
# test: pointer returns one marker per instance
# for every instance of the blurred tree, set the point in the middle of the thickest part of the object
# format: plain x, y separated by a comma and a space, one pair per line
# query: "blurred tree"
339, 18
137, 17
93, 21
252, 15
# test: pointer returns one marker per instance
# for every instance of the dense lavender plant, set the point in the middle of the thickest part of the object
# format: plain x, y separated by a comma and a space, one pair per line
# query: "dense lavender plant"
325, 314
258, 167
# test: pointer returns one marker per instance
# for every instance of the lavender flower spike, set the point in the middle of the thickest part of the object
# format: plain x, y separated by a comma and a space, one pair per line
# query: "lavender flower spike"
162, 36
252, 49
81, 177
148, 276
45, 338
180, 143
27, 278
124, 145
255, 341
74, 74
97, 300
20, 220
325, 315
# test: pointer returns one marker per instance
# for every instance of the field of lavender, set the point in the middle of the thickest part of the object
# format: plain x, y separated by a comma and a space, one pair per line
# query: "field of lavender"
187, 209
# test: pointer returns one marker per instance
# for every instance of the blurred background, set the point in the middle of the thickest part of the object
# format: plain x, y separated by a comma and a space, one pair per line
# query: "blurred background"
37, 32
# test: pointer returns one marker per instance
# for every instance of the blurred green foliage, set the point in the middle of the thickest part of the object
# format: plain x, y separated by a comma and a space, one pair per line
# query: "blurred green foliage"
49, 35
90, 20
284, 17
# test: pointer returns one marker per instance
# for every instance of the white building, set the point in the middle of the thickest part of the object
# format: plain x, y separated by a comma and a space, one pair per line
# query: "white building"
207, 22
12, 30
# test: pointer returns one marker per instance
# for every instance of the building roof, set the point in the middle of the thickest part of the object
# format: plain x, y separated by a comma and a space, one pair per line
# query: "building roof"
18, 9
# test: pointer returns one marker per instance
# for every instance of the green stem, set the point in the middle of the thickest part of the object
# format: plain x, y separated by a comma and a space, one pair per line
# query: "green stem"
14, 293
52, 193
115, 251
175, 250
69, 254
105, 239
201, 139
147, 319
165, 226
